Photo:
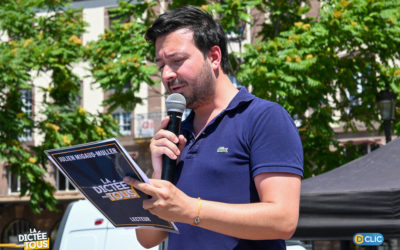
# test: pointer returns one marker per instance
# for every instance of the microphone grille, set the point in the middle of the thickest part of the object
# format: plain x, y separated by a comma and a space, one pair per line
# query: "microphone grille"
175, 103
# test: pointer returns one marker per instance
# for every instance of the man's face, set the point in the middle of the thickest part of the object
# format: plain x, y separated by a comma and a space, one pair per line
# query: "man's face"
184, 69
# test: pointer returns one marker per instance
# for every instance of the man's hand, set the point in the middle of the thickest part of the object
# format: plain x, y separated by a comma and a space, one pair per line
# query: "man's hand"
164, 142
274, 217
167, 202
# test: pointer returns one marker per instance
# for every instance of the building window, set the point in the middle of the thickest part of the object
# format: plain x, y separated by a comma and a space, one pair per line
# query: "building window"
125, 122
144, 124
360, 147
367, 148
15, 183
111, 17
26, 98
62, 183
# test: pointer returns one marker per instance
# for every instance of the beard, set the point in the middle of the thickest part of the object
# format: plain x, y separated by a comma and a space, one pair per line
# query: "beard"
202, 90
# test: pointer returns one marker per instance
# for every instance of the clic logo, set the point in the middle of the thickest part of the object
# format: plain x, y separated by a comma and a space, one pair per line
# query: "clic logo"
368, 239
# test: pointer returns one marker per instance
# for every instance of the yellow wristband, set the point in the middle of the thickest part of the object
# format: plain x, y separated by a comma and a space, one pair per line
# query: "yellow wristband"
197, 218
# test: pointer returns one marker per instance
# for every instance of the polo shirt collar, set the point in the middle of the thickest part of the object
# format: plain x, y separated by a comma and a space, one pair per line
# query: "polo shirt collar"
241, 98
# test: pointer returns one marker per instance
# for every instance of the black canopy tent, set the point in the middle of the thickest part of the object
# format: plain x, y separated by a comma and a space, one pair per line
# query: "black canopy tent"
360, 196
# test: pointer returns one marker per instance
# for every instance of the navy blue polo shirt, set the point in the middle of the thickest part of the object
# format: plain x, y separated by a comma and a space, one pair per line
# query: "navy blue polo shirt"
251, 136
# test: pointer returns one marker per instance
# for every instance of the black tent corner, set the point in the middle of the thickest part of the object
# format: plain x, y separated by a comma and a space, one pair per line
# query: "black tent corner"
359, 197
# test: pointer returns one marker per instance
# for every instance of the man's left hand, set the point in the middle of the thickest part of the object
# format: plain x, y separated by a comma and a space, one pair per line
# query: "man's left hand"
167, 201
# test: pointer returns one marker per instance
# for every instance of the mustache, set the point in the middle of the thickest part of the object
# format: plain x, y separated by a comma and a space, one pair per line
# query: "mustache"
176, 81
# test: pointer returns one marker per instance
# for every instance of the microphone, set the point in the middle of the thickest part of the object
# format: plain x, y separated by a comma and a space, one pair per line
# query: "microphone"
176, 104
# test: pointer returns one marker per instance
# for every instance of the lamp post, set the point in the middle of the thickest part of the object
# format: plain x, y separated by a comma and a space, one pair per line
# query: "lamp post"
387, 104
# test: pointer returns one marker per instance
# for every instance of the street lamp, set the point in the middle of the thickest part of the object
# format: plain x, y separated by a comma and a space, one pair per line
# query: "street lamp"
387, 104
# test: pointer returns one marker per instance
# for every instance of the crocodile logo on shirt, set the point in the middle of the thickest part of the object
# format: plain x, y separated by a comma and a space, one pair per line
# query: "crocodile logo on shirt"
222, 150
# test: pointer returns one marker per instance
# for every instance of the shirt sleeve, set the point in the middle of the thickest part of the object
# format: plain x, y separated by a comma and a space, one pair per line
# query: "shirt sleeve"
275, 144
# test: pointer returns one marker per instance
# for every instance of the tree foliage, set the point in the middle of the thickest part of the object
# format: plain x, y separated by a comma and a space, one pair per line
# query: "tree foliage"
327, 71
324, 70
121, 59
35, 44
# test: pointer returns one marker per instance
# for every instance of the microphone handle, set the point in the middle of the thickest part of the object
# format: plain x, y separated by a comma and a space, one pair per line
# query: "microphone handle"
168, 169
169, 165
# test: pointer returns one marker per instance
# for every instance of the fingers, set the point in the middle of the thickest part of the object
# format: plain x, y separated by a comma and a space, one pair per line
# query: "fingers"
164, 123
148, 204
145, 188
156, 191
166, 147
156, 188
142, 186
162, 133
182, 142
164, 142
167, 201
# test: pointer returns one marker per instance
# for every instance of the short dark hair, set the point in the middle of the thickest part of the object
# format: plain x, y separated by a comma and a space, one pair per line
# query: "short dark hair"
206, 31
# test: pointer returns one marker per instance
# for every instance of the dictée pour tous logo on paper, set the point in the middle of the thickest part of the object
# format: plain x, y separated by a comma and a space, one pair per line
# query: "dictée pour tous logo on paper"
34, 240
368, 239
115, 190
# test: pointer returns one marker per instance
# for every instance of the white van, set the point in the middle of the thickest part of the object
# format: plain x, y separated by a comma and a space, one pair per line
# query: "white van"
83, 227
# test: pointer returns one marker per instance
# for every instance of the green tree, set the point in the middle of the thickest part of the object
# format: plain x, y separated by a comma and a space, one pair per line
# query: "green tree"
32, 45
324, 70
121, 59
327, 71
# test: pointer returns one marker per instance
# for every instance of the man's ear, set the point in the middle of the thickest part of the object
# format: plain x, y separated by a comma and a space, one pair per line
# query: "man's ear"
214, 55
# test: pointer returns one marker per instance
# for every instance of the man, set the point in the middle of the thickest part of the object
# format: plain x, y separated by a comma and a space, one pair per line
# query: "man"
240, 157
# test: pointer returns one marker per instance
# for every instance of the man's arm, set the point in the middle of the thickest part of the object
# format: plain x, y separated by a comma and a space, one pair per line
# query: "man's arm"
274, 217
149, 237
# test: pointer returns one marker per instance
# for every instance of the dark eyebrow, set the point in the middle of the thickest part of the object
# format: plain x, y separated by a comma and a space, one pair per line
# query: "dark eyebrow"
171, 55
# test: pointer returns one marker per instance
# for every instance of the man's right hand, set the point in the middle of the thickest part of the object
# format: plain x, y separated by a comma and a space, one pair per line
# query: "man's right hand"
164, 142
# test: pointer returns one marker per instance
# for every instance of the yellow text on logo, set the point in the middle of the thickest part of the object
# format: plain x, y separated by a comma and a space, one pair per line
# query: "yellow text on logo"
40, 244
122, 195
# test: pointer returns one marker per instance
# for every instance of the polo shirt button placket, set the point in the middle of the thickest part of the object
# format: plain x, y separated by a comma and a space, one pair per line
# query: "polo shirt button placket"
194, 148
